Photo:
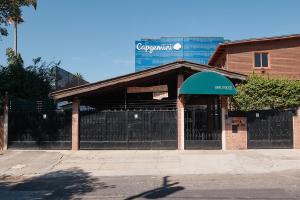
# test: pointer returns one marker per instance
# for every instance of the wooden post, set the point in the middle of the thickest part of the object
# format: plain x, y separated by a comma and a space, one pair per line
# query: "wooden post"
75, 124
180, 114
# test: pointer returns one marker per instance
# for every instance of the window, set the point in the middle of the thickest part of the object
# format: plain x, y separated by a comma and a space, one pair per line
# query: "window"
261, 59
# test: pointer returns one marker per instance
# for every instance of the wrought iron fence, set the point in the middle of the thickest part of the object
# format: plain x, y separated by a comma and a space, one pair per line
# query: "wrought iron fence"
38, 125
202, 128
270, 129
128, 129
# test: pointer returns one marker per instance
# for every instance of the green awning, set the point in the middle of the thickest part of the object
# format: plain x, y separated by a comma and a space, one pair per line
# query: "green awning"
208, 83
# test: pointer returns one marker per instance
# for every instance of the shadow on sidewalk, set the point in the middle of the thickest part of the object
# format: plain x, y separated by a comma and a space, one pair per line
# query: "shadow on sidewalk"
166, 189
62, 184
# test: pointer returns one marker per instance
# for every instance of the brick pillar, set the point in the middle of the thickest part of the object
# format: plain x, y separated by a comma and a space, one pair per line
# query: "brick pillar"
224, 114
75, 124
180, 114
232, 140
296, 129
236, 139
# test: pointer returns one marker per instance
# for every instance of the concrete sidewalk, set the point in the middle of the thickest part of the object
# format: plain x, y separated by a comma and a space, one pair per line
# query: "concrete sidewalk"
138, 162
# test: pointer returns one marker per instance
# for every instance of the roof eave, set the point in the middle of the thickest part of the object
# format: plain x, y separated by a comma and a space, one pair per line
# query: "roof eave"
220, 48
79, 90
236, 42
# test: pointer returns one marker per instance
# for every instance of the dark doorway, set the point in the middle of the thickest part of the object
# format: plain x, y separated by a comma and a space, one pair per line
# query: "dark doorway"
203, 129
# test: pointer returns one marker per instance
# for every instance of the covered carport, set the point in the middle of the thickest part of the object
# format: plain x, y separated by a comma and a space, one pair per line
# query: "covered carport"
146, 109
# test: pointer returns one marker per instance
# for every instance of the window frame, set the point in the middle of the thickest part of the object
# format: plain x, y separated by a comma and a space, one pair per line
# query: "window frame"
261, 67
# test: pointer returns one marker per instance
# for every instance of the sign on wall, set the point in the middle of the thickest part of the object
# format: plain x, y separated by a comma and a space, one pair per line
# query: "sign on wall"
154, 52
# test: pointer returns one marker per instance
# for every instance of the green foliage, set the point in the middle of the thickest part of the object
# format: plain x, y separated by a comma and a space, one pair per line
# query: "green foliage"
32, 83
78, 75
11, 10
259, 93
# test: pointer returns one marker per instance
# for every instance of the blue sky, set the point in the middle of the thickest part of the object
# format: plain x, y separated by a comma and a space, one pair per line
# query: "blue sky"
96, 37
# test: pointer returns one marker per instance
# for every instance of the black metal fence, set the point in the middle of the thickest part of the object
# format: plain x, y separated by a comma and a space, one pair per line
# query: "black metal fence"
202, 128
270, 129
132, 105
128, 129
33, 126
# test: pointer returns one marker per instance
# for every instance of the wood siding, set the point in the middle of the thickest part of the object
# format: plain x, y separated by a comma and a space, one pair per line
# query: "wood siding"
284, 60
221, 61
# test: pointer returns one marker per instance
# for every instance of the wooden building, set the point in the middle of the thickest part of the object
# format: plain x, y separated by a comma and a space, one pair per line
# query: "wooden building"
180, 105
273, 56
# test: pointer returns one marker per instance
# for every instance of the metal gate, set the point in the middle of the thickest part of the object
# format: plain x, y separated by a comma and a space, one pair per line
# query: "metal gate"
128, 129
202, 128
270, 129
39, 129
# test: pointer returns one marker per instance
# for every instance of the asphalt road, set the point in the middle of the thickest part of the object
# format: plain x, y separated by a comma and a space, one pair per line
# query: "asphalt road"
77, 184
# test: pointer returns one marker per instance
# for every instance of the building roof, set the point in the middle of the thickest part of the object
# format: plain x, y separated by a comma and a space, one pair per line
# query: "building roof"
87, 88
164, 37
221, 47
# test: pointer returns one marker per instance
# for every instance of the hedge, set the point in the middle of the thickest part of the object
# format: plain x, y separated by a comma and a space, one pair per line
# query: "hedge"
258, 93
